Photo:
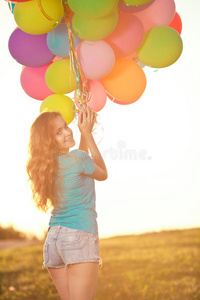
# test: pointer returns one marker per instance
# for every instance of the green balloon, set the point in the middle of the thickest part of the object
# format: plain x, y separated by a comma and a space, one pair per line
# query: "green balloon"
94, 29
93, 8
136, 2
161, 47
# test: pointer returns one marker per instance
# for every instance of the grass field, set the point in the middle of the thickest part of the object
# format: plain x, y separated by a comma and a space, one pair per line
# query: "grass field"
154, 266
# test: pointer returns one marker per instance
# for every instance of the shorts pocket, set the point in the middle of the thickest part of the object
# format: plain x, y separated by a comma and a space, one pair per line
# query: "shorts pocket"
75, 247
46, 253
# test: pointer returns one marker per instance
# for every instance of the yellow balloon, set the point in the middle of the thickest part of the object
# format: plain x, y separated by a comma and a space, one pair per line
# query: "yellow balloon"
60, 78
59, 103
33, 18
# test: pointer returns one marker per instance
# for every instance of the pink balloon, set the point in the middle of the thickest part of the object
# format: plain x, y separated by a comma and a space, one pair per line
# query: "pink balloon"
33, 82
97, 96
127, 35
161, 12
119, 101
133, 8
96, 58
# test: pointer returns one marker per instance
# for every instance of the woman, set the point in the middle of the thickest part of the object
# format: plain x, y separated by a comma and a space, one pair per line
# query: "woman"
64, 180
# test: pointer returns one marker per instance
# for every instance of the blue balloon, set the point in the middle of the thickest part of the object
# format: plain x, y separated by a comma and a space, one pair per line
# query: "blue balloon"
58, 41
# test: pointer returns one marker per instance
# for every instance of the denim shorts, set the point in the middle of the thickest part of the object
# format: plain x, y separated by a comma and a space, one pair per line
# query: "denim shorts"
64, 246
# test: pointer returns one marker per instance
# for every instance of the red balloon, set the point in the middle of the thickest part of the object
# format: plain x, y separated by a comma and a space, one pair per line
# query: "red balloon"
133, 57
127, 35
176, 23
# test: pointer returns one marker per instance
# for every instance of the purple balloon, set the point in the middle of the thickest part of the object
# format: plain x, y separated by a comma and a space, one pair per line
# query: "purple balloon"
134, 8
29, 50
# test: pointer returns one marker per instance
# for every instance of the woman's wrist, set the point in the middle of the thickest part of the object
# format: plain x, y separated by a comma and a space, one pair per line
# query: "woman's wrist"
95, 153
83, 144
86, 135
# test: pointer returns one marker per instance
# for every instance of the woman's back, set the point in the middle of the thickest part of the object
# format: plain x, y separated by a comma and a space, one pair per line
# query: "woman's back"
76, 204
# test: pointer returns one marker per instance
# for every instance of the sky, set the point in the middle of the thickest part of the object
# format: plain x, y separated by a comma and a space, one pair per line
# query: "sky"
151, 147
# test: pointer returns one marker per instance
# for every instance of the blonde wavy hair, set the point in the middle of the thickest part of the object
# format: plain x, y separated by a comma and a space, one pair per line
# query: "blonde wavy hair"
42, 165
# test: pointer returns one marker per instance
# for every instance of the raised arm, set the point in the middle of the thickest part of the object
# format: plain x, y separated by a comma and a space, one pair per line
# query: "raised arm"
83, 145
85, 123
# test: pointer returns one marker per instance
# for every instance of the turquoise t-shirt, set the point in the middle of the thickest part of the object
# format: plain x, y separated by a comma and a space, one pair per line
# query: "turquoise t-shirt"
76, 206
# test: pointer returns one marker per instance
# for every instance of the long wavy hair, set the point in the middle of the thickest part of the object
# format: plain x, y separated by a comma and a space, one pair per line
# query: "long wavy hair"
42, 165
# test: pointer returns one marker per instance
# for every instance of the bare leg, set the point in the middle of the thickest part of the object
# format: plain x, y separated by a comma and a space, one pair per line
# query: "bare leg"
83, 279
61, 280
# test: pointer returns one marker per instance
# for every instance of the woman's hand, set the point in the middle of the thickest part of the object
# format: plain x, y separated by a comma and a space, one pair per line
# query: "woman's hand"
86, 120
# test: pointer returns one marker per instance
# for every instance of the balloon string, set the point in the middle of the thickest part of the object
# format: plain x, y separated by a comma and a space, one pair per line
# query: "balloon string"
11, 6
45, 14
42, 10
82, 91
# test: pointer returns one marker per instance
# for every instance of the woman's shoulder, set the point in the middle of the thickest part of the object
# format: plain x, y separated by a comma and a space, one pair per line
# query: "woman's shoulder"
79, 153
74, 154
70, 160
76, 161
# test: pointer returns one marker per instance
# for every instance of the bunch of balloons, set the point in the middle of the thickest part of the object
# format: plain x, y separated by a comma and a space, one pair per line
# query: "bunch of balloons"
93, 47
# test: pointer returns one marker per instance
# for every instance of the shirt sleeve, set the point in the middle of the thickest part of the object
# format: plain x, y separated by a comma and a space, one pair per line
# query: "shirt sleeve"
87, 163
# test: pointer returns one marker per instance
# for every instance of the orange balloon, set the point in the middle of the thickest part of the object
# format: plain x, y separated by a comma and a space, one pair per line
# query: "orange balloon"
126, 81
120, 102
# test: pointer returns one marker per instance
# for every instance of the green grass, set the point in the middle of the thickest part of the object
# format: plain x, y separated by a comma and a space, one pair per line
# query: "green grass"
155, 266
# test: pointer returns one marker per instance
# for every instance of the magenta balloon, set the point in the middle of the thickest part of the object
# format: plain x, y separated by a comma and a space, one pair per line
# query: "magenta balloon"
127, 35
33, 82
133, 9
161, 12
29, 50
